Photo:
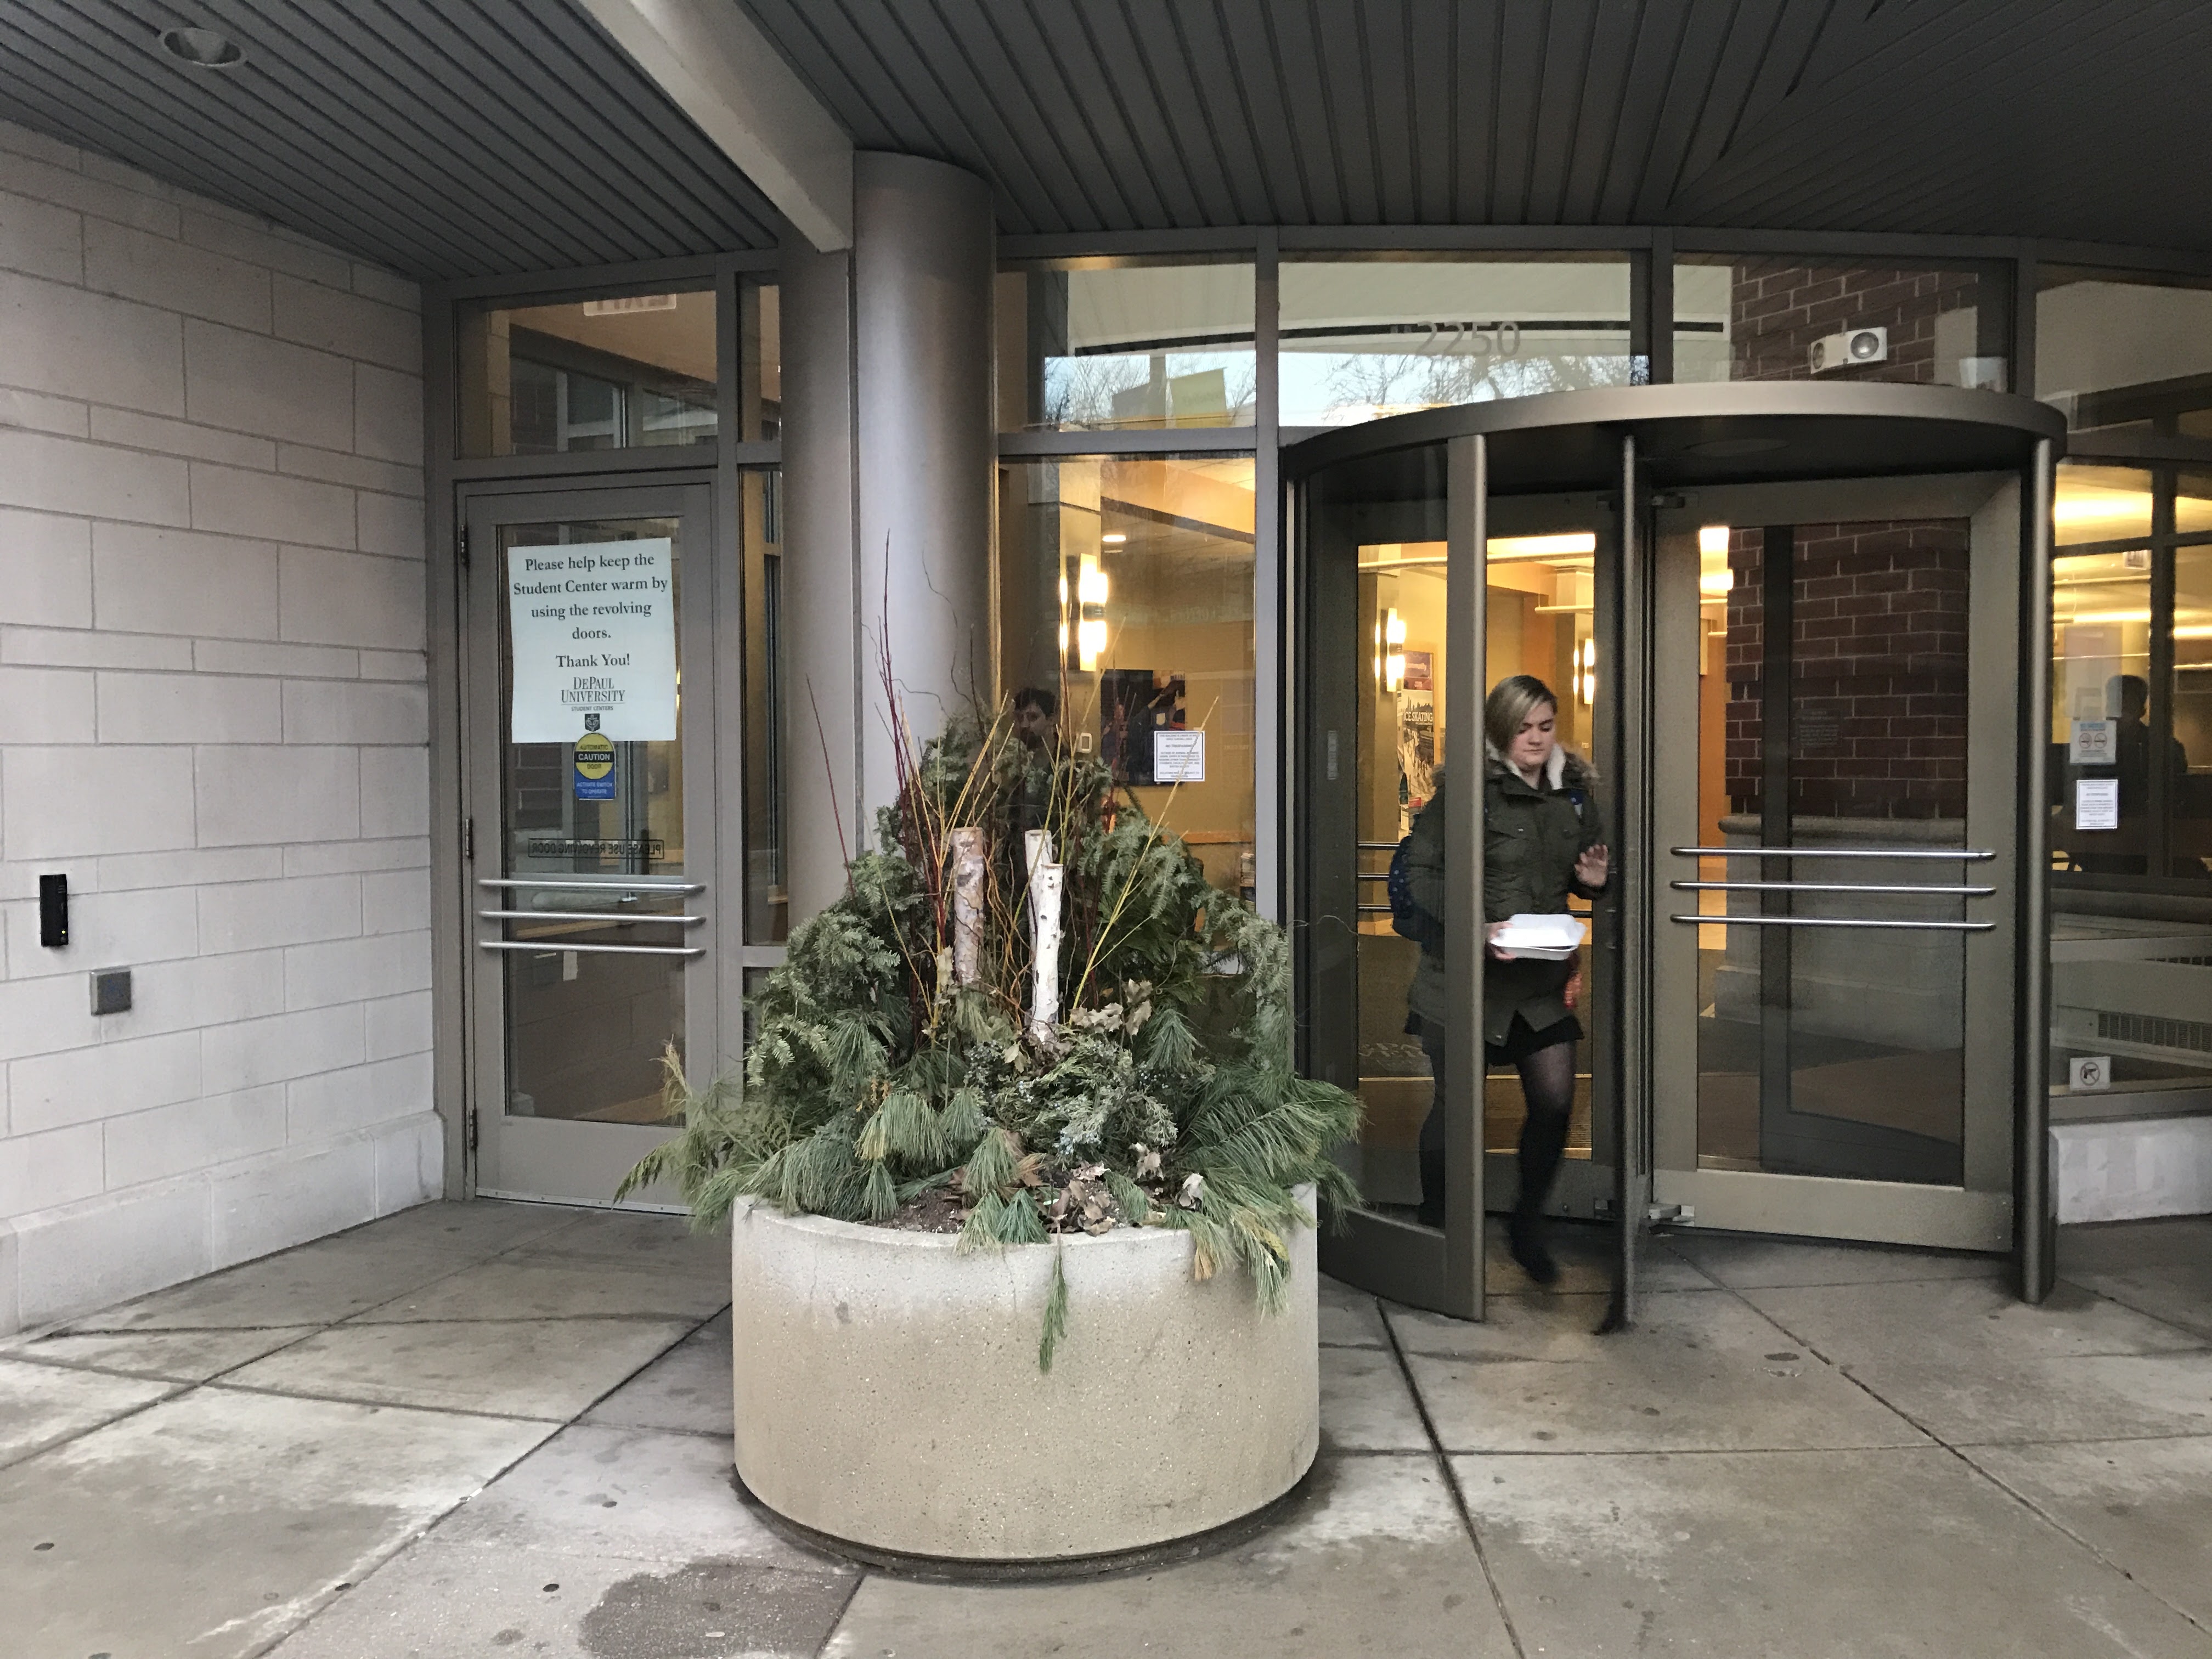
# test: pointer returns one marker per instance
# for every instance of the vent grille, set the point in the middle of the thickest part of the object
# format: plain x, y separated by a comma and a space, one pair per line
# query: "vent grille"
2151, 1032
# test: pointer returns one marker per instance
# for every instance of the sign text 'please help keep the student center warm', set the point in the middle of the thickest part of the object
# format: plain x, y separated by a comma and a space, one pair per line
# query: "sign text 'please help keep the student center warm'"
593, 630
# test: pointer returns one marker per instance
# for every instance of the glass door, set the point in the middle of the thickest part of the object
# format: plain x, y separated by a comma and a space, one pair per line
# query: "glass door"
594, 863
1834, 864
1420, 591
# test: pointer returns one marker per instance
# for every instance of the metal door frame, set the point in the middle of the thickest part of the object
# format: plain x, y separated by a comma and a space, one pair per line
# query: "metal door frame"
579, 1161
1977, 1214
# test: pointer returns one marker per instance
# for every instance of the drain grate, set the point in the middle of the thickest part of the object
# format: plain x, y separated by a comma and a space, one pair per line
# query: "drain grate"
2155, 1033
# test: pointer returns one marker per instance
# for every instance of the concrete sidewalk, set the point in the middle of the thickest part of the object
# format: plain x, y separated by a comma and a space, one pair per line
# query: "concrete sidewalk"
477, 1429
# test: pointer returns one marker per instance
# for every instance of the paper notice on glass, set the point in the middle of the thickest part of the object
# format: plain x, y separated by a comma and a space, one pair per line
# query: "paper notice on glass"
2096, 803
1179, 757
593, 629
2092, 744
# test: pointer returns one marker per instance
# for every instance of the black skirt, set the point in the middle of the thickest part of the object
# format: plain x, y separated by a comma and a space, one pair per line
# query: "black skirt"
1523, 1040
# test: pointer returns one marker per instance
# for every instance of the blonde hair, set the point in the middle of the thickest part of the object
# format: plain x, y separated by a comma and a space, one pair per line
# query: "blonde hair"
1507, 706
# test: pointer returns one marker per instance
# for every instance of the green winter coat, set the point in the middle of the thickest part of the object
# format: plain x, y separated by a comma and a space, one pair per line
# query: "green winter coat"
1531, 835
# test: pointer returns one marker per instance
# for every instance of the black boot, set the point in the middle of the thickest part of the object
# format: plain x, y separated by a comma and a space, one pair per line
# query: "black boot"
1432, 1212
1524, 1241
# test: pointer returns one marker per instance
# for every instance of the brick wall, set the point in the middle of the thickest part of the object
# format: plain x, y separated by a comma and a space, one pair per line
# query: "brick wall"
1779, 308
211, 670
1880, 688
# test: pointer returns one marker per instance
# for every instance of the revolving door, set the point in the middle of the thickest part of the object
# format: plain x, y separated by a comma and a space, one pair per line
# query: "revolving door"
1788, 629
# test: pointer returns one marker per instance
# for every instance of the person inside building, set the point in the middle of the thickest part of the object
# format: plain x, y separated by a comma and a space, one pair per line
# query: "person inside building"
1037, 721
2130, 694
1542, 840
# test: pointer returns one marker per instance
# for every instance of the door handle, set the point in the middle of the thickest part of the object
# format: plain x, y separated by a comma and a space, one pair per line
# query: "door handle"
1827, 887
594, 918
1966, 854
1838, 922
596, 949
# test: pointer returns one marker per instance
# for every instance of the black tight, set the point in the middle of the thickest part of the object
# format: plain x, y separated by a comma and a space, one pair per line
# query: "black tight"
1547, 1085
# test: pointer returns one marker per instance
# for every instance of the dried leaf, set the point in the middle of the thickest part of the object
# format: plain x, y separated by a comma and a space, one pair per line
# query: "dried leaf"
1192, 1193
1030, 1170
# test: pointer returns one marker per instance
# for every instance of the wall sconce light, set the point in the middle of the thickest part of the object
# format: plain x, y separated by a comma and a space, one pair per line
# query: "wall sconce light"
1394, 652
1586, 672
1089, 611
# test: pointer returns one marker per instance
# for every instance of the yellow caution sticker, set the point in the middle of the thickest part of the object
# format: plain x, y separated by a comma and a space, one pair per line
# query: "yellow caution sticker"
595, 767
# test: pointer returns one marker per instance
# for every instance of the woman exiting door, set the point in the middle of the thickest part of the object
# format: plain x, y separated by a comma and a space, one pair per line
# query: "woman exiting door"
1542, 840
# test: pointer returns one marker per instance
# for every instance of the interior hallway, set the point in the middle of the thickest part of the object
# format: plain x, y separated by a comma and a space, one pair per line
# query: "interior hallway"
488, 1428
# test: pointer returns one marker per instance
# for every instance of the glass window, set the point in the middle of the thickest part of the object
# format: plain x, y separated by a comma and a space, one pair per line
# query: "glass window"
2101, 504
767, 897
2099, 690
760, 362
621, 373
2131, 679
2116, 352
2191, 813
1126, 593
1746, 318
1098, 345
1363, 338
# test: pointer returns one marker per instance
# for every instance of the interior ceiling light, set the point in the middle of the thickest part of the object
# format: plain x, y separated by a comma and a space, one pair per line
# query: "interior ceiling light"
202, 48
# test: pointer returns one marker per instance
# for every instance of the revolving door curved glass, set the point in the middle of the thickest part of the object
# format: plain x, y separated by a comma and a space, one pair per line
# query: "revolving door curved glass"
1786, 634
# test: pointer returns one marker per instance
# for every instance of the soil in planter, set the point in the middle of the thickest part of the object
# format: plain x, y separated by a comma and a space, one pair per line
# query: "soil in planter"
938, 1211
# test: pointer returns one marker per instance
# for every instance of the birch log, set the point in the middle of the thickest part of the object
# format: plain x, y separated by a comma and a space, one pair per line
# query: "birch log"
1045, 882
967, 906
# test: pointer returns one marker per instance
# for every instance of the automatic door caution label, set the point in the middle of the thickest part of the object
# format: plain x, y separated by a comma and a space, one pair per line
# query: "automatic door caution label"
595, 767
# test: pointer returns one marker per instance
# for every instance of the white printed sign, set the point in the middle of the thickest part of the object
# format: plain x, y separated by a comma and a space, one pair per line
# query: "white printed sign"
2092, 743
1178, 757
2096, 803
593, 629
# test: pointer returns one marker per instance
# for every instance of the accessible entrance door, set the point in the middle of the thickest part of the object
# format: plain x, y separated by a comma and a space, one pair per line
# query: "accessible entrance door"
591, 625
1833, 864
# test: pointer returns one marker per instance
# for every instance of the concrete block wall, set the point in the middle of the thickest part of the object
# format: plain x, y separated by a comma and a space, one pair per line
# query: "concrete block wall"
214, 722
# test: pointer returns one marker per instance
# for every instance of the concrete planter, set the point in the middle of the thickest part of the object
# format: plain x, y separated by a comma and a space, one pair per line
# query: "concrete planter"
887, 1391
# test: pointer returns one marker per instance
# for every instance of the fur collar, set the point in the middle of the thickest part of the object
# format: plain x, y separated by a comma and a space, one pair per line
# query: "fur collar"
1564, 769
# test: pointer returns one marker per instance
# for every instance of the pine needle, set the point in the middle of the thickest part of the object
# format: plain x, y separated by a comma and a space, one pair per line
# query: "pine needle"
1056, 1312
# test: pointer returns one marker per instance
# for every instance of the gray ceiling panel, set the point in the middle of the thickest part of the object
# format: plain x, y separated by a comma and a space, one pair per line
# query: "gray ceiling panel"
2047, 117
443, 139
465, 137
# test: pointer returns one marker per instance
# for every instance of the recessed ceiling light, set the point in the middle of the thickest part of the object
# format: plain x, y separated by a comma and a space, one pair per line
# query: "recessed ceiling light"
202, 48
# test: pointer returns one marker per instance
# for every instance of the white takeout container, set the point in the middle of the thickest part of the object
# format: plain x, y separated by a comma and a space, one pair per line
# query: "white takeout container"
1547, 939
